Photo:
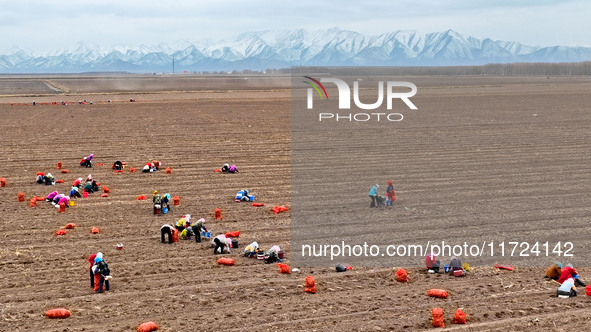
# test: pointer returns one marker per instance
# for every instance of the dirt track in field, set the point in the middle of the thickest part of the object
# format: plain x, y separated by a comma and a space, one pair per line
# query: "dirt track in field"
181, 287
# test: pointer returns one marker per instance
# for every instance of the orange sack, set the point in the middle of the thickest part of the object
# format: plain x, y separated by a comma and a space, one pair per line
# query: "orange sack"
504, 267
258, 204
70, 226
283, 268
33, 202
65, 171
106, 190
401, 275
233, 234
21, 197
147, 327
60, 232
310, 285
95, 230
440, 293
175, 235
459, 317
57, 313
437, 317
226, 261
218, 213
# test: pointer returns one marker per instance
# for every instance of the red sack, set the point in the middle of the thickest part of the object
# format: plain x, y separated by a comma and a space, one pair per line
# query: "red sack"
105, 195
459, 317
59, 181
175, 235
106, 190
401, 275
70, 226
59, 165
233, 234
40, 198
226, 261
100, 164
118, 171
437, 317
95, 230
147, 327
40, 173
459, 273
278, 209
65, 171
310, 285
57, 313
168, 171
61, 232
217, 213
142, 197
258, 204
217, 170
504, 267
440, 293
132, 170
283, 268
33, 202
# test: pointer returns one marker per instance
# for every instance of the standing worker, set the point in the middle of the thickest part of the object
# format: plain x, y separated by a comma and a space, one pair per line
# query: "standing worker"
373, 193
102, 274
157, 200
198, 228
166, 203
390, 194
91, 262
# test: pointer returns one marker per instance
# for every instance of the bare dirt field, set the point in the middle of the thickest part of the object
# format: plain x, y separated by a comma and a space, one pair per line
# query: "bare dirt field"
449, 149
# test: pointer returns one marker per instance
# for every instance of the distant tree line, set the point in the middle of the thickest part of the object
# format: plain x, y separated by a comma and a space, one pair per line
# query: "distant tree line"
506, 69
493, 69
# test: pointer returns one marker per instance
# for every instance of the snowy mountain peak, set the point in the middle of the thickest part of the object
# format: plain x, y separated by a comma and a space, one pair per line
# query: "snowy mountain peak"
285, 48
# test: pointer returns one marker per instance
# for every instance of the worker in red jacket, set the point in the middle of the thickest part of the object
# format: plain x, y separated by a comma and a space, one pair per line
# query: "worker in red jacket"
570, 272
91, 261
390, 193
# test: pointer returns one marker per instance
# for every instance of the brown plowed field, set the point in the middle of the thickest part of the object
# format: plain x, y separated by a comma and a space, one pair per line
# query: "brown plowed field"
181, 287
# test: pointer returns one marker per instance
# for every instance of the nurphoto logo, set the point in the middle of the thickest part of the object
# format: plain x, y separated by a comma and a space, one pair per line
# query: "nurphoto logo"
344, 99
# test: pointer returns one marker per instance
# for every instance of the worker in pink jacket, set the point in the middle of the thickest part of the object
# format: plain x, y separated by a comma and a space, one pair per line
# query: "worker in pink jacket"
51, 196
65, 199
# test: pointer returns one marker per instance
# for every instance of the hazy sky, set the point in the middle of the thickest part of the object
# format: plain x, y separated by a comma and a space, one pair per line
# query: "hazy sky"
46, 26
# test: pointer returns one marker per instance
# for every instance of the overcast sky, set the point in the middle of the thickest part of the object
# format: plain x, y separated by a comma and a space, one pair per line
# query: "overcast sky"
46, 26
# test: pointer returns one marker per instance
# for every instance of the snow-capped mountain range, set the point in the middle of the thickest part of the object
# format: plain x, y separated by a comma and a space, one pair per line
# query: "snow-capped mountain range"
285, 48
